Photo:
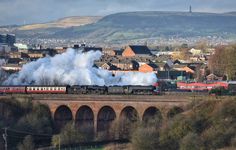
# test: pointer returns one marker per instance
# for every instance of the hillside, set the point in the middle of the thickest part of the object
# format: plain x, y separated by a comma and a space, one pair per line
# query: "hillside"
122, 27
138, 25
62, 23
209, 124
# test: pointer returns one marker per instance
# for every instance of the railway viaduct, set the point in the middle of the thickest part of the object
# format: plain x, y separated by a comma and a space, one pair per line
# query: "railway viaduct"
96, 113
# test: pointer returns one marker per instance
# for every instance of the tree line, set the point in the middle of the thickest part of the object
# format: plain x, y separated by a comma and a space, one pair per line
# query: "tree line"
206, 124
223, 62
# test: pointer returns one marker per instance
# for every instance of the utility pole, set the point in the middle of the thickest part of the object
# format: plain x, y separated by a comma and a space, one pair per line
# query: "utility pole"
59, 142
4, 135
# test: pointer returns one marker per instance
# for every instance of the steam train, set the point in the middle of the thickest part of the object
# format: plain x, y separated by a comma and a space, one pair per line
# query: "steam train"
155, 89
80, 89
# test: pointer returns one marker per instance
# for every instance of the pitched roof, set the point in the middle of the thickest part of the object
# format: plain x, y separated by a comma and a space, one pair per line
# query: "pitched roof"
140, 49
186, 69
86, 49
153, 65
170, 74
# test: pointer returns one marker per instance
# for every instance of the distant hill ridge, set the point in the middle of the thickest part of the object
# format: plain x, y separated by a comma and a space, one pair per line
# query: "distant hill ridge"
136, 25
231, 13
151, 24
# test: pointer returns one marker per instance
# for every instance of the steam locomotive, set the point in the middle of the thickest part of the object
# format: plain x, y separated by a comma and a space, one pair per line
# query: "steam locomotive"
81, 89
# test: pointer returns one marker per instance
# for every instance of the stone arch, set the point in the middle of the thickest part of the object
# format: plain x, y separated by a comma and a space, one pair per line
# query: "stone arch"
84, 119
127, 120
152, 114
174, 111
106, 116
62, 116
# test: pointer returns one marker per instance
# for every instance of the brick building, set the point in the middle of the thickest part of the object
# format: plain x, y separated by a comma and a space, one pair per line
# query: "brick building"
125, 64
18, 55
36, 55
109, 52
136, 51
148, 68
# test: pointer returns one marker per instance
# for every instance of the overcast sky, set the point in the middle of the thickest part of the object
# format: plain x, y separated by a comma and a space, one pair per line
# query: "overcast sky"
36, 11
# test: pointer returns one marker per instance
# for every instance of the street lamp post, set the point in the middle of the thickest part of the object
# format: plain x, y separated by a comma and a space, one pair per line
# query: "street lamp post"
4, 135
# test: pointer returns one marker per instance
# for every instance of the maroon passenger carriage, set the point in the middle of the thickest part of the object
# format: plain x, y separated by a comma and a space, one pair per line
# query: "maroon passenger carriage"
13, 89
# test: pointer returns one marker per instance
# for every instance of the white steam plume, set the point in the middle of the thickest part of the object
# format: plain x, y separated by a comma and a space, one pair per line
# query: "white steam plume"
74, 68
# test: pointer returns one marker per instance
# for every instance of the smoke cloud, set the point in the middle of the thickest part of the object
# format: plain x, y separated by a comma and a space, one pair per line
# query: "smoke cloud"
74, 68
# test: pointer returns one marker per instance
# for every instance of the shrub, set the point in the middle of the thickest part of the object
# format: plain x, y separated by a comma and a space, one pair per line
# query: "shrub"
27, 144
191, 142
69, 135
38, 121
145, 139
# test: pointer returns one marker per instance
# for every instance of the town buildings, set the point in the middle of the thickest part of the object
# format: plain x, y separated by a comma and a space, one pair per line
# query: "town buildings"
131, 58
